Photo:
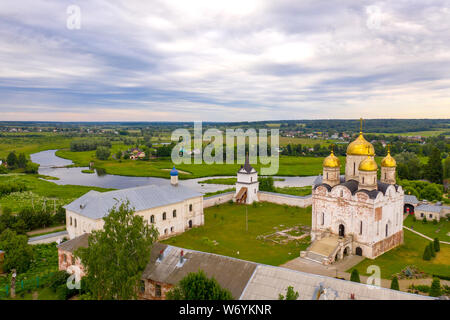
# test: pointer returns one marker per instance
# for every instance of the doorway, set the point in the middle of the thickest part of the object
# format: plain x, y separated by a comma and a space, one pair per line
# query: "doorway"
341, 230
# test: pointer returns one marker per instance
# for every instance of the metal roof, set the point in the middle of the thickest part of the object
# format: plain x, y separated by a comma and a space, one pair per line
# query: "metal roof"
429, 208
96, 205
75, 243
411, 199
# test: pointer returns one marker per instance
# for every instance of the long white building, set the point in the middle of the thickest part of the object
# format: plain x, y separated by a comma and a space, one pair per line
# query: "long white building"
172, 208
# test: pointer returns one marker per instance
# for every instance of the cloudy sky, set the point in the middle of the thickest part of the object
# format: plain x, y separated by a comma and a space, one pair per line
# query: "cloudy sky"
233, 60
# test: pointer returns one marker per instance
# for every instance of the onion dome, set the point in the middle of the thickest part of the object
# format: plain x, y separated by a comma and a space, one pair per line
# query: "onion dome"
388, 161
173, 172
331, 161
360, 147
368, 164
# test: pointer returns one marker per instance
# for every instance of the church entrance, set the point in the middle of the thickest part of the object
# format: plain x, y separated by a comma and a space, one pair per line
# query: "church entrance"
358, 251
341, 230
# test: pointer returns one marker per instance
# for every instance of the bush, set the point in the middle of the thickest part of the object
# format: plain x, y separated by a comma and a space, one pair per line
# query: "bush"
58, 279
102, 153
427, 254
424, 221
355, 276
63, 292
414, 218
436, 244
431, 246
435, 290
435, 221
32, 168
394, 284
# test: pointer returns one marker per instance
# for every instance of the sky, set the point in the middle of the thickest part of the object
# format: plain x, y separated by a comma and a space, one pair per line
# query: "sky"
233, 60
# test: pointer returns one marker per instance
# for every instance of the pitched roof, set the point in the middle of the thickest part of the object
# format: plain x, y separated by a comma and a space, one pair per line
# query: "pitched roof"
411, 199
96, 205
247, 166
75, 243
429, 208
232, 274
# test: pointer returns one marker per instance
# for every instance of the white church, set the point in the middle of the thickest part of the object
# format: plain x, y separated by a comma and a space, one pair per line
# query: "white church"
356, 213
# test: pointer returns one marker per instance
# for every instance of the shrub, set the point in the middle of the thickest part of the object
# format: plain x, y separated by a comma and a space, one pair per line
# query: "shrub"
63, 292
427, 254
58, 279
102, 153
431, 246
435, 221
435, 290
414, 218
355, 276
394, 284
424, 221
32, 168
290, 294
436, 244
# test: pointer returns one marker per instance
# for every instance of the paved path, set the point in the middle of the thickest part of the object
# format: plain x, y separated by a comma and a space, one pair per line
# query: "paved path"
45, 230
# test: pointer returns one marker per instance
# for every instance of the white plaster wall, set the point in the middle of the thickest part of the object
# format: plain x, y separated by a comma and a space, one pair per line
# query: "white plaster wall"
279, 198
218, 199
350, 160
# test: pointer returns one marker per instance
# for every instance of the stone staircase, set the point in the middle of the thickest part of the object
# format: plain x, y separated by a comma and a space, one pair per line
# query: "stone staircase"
324, 249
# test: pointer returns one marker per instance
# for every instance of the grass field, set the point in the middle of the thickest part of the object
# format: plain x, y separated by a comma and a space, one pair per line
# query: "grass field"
429, 229
429, 133
225, 224
295, 191
410, 253
30, 143
288, 166
305, 141
38, 190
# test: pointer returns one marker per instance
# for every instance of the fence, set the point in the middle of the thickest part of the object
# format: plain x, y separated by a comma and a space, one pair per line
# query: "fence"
26, 285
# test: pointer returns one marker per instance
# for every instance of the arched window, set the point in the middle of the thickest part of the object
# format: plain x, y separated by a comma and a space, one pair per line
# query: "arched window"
363, 180
172, 229
70, 220
251, 179
360, 227
190, 207
174, 213
354, 168
385, 175
152, 219
165, 231
327, 175
75, 223
373, 180
164, 216
323, 218
387, 229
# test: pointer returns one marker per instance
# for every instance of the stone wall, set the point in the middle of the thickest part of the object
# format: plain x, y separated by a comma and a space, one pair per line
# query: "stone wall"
280, 198
67, 259
386, 244
217, 199
149, 292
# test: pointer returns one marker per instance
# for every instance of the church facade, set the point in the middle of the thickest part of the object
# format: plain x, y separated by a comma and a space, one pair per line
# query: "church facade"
356, 213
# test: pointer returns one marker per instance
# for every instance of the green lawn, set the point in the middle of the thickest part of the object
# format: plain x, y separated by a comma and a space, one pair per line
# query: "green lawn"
429, 229
410, 253
226, 225
295, 191
228, 181
40, 190
31, 143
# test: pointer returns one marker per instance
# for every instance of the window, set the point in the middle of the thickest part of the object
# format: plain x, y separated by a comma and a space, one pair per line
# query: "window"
431, 216
75, 223
387, 229
190, 207
64, 258
165, 231
142, 286
164, 216
172, 229
174, 213
363, 180
327, 175
421, 215
323, 218
251, 179
385, 176
360, 227
157, 290
152, 219
70, 220
354, 168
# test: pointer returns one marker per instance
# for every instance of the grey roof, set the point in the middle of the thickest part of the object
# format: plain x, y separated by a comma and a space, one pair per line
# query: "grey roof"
232, 274
353, 186
247, 166
49, 235
268, 282
411, 199
75, 243
96, 205
429, 208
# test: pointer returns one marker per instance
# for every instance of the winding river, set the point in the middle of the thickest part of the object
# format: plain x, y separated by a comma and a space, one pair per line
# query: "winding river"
52, 165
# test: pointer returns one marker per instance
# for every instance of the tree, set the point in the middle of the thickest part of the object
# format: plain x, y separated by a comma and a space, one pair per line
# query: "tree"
266, 184
437, 246
197, 286
290, 294
102, 153
18, 253
434, 170
431, 246
431, 192
394, 284
435, 290
355, 276
117, 255
21, 161
31, 167
12, 159
427, 254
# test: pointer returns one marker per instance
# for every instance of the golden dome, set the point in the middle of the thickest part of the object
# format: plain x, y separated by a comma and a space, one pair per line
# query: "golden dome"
388, 161
368, 164
331, 161
360, 147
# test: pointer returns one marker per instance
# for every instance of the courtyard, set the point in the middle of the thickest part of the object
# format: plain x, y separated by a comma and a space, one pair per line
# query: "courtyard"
273, 234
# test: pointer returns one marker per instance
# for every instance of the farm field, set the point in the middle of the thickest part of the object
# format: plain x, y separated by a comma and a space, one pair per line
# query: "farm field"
410, 253
225, 232
429, 133
305, 141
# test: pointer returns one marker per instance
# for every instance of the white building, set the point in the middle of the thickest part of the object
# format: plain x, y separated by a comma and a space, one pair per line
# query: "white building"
357, 213
172, 208
247, 184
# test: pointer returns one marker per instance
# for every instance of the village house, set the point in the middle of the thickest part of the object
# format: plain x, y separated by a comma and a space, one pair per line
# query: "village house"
66, 251
172, 209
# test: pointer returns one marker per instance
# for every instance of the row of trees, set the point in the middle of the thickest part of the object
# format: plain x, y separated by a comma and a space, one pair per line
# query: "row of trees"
19, 162
88, 144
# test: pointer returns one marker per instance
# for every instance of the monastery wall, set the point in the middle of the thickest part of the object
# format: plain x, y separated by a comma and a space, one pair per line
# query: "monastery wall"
217, 199
280, 198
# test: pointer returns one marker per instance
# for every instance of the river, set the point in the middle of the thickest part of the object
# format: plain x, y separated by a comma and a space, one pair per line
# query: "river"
52, 165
